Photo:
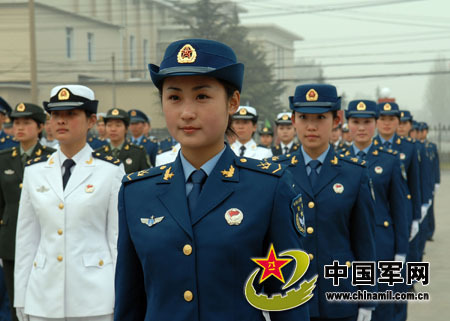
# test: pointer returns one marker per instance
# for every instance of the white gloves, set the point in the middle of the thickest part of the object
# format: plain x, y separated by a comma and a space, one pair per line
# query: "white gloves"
414, 229
400, 258
436, 187
21, 314
364, 314
424, 211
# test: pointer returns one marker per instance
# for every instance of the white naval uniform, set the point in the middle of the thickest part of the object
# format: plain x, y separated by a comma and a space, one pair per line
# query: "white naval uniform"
252, 150
167, 157
66, 239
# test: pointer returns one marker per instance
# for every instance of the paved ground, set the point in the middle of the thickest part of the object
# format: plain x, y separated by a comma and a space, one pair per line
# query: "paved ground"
438, 254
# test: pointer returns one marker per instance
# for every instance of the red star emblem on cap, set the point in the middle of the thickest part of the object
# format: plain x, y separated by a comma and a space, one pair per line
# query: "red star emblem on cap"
272, 265
187, 52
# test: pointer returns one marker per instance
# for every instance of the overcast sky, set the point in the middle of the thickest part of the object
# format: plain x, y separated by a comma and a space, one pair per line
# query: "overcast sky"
385, 32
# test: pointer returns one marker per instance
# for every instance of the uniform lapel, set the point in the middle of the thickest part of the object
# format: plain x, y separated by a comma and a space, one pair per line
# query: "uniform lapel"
173, 196
300, 173
81, 172
217, 187
330, 169
53, 174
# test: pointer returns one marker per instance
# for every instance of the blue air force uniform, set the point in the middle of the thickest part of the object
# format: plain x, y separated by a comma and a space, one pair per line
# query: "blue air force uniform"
6, 141
199, 264
151, 147
176, 263
339, 209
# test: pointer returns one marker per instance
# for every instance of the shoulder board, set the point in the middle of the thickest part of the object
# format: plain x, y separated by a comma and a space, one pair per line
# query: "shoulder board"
388, 151
36, 160
146, 173
263, 166
106, 158
7, 150
288, 159
352, 160
2, 140
132, 146
163, 150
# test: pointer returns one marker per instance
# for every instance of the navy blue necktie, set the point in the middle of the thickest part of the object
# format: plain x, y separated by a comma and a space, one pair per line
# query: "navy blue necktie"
286, 150
361, 155
314, 175
242, 151
198, 178
387, 144
68, 163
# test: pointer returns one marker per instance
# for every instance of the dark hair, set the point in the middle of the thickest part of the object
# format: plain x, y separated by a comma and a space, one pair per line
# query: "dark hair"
123, 121
334, 113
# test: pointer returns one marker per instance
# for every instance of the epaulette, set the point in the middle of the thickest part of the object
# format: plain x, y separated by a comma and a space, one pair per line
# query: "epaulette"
287, 159
8, 150
352, 160
388, 151
105, 148
263, 166
146, 173
37, 160
168, 148
106, 158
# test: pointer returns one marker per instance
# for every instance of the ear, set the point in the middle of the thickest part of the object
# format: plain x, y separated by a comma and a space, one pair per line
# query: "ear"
92, 120
233, 102
293, 118
336, 121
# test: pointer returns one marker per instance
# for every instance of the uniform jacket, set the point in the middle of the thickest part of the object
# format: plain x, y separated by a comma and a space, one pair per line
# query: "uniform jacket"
11, 176
410, 159
66, 239
7, 141
168, 156
96, 142
277, 150
151, 147
339, 215
391, 224
154, 269
252, 150
133, 157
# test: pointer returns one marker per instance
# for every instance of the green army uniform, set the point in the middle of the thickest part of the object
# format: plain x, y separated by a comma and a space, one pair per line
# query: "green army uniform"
133, 157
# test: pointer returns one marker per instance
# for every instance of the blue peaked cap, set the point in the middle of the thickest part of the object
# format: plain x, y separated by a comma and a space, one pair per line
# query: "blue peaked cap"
405, 115
389, 109
362, 109
315, 99
190, 57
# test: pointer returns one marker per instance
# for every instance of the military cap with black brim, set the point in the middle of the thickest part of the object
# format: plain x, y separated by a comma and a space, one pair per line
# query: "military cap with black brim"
193, 57
116, 113
405, 115
68, 97
29, 110
5, 108
315, 99
389, 109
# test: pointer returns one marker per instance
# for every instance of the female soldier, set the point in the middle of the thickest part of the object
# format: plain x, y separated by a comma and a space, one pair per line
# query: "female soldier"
185, 254
133, 157
67, 225
391, 224
340, 212
28, 120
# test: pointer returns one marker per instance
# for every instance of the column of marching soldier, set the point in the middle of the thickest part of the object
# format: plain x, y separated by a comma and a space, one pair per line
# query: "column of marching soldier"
366, 198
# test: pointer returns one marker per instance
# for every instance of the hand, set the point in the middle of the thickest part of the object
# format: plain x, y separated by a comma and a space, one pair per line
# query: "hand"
20, 311
414, 229
430, 202
436, 187
364, 314
400, 258
424, 211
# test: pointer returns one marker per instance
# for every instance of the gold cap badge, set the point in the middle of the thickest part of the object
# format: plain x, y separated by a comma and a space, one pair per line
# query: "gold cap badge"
186, 55
361, 106
115, 112
133, 113
21, 108
402, 114
265, 129
387, 107
63, 94
285, 117
243, 111
312, 95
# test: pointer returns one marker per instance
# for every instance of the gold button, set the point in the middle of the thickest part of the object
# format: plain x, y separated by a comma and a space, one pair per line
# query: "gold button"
35, 264
409, 196
1, 222
60, 232
311, 256
187, 249
100, 262
348, 263
61, 206
311, 204
59, 258
188, 296
310, 230
386, 223
20, 185
243, 160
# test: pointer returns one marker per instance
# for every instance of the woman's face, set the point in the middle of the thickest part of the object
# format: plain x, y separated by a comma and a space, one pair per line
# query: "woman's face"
116, 131
362, 130
71, 126
26, 129
196, 109
314, 130
286, 133
387, 125
244, 129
